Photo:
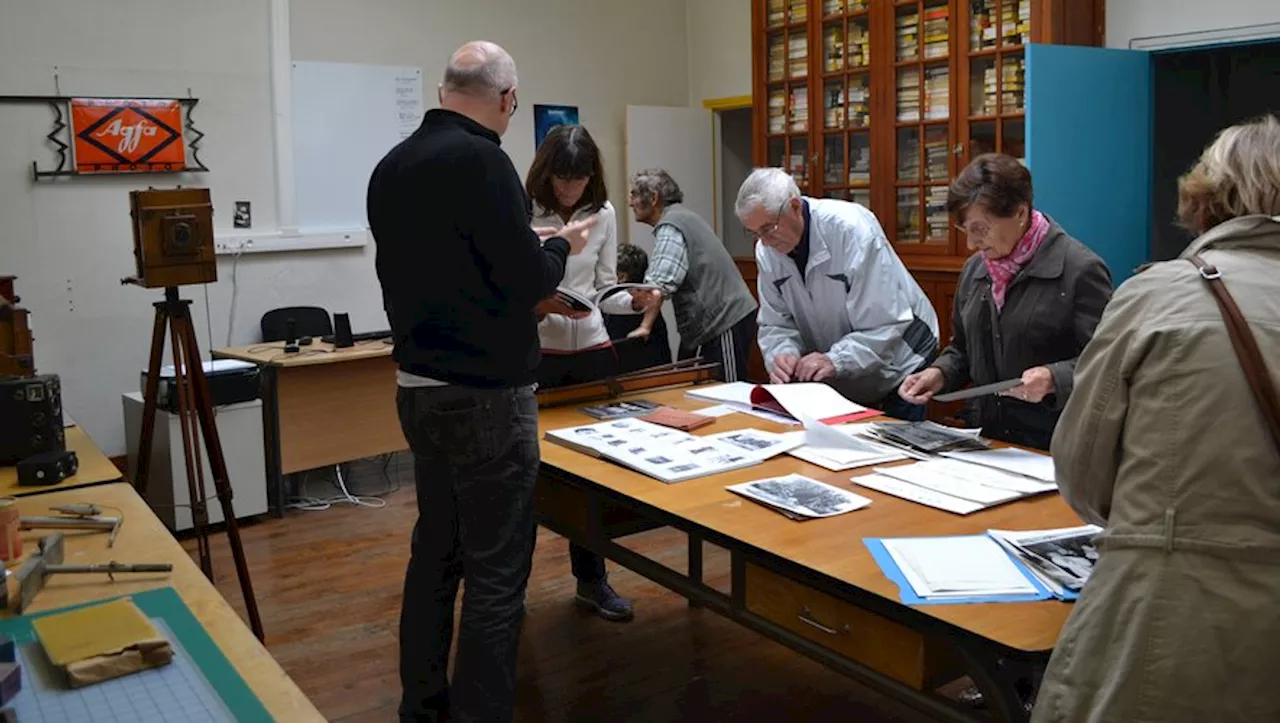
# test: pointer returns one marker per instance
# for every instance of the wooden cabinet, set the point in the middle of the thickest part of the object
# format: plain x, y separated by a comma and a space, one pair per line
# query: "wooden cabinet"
756, 371
882, 102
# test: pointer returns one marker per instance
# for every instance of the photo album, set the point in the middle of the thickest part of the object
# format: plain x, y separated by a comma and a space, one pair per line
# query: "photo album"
581, 302
667, 454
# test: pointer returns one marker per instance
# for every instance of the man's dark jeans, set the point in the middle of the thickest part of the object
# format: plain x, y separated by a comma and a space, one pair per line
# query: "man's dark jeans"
475, 461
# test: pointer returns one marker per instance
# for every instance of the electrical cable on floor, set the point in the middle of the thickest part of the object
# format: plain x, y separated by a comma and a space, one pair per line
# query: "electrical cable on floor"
315, 504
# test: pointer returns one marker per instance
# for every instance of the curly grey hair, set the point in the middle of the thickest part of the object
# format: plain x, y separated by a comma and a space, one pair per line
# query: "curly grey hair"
765, 188
655, 180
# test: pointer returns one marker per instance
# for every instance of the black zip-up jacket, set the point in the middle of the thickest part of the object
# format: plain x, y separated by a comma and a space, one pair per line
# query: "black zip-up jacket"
460, 267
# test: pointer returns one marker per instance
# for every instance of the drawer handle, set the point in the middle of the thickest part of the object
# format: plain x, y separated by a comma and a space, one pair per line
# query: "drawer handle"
806, 617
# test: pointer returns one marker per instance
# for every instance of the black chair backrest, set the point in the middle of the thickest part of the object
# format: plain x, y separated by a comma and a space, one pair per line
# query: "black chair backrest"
308, 320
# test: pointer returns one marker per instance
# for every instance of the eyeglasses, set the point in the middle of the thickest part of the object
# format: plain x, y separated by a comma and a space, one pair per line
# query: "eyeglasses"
978, 231
771, 228
515, 102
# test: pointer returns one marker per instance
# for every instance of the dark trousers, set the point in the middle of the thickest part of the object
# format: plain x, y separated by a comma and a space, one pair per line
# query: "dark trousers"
476, 458
576, 368
730, 350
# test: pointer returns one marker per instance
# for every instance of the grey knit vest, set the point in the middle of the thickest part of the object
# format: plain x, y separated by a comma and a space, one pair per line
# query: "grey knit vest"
713, 296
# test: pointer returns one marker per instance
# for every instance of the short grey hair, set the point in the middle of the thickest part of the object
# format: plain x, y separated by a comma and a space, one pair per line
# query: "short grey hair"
655, 180
480, 68
765, 188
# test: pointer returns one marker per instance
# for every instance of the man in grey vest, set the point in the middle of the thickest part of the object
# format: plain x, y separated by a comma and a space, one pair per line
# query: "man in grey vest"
715, 312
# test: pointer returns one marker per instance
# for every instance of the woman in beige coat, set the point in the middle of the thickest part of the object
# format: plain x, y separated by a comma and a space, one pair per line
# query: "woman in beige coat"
1164, 444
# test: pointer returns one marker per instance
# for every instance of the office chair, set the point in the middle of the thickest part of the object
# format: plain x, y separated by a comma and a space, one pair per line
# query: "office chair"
310, 321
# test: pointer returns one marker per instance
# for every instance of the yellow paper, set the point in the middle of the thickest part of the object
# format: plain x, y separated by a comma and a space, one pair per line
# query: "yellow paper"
109, 629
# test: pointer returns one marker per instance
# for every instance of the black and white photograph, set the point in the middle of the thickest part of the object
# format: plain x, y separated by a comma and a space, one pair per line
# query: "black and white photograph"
1075, 555
747, 440
702, 450
684, 468
802, 495
659, 460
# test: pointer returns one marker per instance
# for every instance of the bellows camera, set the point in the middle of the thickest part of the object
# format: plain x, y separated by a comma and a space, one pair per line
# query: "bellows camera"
173, 237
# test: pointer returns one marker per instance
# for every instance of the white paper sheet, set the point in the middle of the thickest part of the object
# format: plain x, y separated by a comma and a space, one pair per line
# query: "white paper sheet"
957, 566
1018, 461
735, 393
919, 495
930, 476
812, 401
719, 410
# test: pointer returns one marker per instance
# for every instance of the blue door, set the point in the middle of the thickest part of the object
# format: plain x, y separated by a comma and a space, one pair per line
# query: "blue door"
1089, 146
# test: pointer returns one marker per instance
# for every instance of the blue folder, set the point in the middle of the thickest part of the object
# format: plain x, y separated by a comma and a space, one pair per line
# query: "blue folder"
908, 594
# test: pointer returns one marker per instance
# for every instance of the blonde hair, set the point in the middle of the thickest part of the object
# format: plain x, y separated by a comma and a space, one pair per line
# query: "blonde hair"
1237, 175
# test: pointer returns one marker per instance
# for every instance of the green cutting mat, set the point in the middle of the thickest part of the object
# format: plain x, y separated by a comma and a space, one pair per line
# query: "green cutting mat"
165, 604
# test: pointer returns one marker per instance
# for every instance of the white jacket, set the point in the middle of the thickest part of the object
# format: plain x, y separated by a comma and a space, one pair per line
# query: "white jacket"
857, 304
596, 267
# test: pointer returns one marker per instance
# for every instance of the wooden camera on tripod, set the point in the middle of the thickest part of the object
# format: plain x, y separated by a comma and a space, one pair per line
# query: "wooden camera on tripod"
172, 237
16, 357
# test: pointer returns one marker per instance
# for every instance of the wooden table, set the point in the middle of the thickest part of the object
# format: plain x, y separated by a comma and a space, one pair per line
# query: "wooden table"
94, 469
322, 406
143, 538
812, 585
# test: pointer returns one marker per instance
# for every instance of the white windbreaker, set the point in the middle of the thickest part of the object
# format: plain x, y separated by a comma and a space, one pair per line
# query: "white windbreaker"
856, 303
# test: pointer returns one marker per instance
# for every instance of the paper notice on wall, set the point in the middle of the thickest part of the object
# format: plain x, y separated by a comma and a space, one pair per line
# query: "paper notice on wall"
408, 103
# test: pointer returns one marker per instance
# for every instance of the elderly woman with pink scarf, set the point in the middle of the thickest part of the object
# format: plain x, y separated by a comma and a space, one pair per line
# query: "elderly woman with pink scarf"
1026, 304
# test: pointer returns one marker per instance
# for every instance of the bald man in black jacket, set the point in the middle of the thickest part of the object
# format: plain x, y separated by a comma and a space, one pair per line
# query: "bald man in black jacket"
461, 271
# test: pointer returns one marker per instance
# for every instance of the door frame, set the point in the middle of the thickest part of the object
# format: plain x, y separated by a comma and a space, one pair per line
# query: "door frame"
716, 106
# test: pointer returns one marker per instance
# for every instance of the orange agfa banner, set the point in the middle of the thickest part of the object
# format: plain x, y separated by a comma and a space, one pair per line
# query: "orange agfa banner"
123, 135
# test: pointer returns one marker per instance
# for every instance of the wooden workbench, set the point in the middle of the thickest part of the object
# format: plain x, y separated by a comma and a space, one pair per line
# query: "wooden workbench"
143, 538
322, 406
812, 585
94, 469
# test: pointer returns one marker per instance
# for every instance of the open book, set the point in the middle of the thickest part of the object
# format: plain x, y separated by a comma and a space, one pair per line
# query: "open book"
579, 302
800, 401
668, 454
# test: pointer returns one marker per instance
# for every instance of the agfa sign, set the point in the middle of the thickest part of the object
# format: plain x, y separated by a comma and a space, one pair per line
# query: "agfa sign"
122, 135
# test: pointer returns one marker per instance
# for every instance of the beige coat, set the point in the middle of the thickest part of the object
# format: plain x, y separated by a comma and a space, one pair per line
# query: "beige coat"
1163, 444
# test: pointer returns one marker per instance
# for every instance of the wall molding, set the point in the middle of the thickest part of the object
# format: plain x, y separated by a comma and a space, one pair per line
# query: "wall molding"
1223, 36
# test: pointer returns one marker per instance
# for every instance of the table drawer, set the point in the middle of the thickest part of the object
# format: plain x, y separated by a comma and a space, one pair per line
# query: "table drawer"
847, 630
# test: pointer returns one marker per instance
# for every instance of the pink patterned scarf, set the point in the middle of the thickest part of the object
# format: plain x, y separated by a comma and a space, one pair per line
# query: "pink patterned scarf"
1003, 270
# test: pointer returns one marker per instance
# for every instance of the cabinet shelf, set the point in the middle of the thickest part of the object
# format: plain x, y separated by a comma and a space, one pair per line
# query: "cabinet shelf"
935, 83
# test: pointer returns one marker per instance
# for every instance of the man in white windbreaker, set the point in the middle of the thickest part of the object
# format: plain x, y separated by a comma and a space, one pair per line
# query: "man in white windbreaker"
836, 303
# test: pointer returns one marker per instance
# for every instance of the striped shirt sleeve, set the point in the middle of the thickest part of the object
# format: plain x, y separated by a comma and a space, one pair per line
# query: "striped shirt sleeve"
670, 261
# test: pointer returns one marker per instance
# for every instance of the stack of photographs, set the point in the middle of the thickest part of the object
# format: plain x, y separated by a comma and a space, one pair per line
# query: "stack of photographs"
927, 437
1062, 559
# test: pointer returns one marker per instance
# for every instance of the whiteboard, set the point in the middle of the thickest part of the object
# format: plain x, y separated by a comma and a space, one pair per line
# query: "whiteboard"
345, 118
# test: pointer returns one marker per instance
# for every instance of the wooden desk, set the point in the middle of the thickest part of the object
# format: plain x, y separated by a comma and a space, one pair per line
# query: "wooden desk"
94, 469
143, 538
812, 585
322, 406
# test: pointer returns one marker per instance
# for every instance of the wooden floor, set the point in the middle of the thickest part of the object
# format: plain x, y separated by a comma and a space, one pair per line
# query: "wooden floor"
329, 582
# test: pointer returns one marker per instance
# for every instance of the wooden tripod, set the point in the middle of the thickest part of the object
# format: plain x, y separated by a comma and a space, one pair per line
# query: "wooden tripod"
195, 414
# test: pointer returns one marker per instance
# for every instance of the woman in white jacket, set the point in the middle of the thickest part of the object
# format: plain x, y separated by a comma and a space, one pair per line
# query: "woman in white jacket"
566, 184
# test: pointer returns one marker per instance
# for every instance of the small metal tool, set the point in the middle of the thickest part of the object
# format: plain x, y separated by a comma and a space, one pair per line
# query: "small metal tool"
83, 509
48, 559
76, 517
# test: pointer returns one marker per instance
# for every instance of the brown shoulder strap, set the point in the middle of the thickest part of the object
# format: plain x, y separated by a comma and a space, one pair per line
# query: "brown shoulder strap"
1246, 346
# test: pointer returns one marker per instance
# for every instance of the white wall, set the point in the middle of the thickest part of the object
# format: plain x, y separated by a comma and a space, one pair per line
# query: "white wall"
719, 49
1130, 19
70, 242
